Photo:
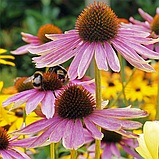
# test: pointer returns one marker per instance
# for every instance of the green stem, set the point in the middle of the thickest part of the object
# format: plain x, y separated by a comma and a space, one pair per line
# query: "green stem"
98, 103
122, 79
157, 105
73, 154
52, 150
120, 93
24, 121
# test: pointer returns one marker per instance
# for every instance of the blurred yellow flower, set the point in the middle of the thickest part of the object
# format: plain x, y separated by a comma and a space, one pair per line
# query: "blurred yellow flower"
149, 140
2, 57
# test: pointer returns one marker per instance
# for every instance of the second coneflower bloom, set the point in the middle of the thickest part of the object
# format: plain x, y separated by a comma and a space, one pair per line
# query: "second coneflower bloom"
33, 97
75, 108
36, 40
97, 33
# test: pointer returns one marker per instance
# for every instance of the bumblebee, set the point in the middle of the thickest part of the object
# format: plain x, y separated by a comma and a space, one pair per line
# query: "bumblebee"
36, 80
60, 71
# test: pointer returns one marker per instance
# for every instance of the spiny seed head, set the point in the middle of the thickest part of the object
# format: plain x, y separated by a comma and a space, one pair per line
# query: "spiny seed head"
111, 136
47, 29
74, 102
97, 23
155, 24
4, 139
21, 86
51, 82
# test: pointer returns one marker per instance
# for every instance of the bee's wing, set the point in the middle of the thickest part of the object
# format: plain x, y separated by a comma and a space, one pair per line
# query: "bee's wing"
29, 79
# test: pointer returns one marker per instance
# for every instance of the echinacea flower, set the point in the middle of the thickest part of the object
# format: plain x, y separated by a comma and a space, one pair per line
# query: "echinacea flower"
149, 140
7, 147
37, 40
110, 143
74, 107
97, 32
2, 57
151, 25
33, 97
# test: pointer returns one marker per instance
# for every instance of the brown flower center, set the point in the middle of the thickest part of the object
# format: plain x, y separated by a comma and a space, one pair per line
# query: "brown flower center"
155, 24
4, 139
74, 102
97, 23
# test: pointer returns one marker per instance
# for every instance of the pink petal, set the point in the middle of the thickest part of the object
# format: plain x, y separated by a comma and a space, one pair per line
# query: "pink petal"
112, 57
24, 49
131, 142
105, 122
126, 124
91, 148
128, 113
78, 134
137, 22
130, 151
88, 138
127, 133
58, 131
86, 59
92, 129
22, 153
19, 96
44, 136
14, 154
47, 104
67, 139
107, 152
73, 69
115, 150
100, 56
27, 35
38, 126
34, 101
145, 15
5, 155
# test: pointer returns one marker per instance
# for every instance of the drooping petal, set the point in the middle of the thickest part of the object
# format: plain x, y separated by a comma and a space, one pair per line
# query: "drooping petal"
86, 59
67, 139
29, 36
145, 15
107, 154
73, 69
78, 134
92, 129
125, 124
130, 151
131, 142
47, 105
115, 150
34, 101
100, 56
128, 112
104, 122
58, 131
22, 153
88, 138
127, 133
5, 154
112, 58
14, 154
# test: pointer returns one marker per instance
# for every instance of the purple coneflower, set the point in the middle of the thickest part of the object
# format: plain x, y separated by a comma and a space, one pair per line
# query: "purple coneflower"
151, 25
75, 107
7, 147
37, 40
109, 144
97, 32
33, 97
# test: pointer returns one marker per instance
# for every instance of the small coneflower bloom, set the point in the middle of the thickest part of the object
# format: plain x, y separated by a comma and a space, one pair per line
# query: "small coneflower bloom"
2, 57
75, 107
149, 141
7, 147
110, 144
33, 97
36, 40
97, 33
151, 25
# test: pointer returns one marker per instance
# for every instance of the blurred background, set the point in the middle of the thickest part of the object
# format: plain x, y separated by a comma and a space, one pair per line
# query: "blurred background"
28, 16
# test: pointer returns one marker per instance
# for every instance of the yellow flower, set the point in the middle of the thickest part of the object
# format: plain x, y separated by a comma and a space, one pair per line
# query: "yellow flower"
6, 57
149, 140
